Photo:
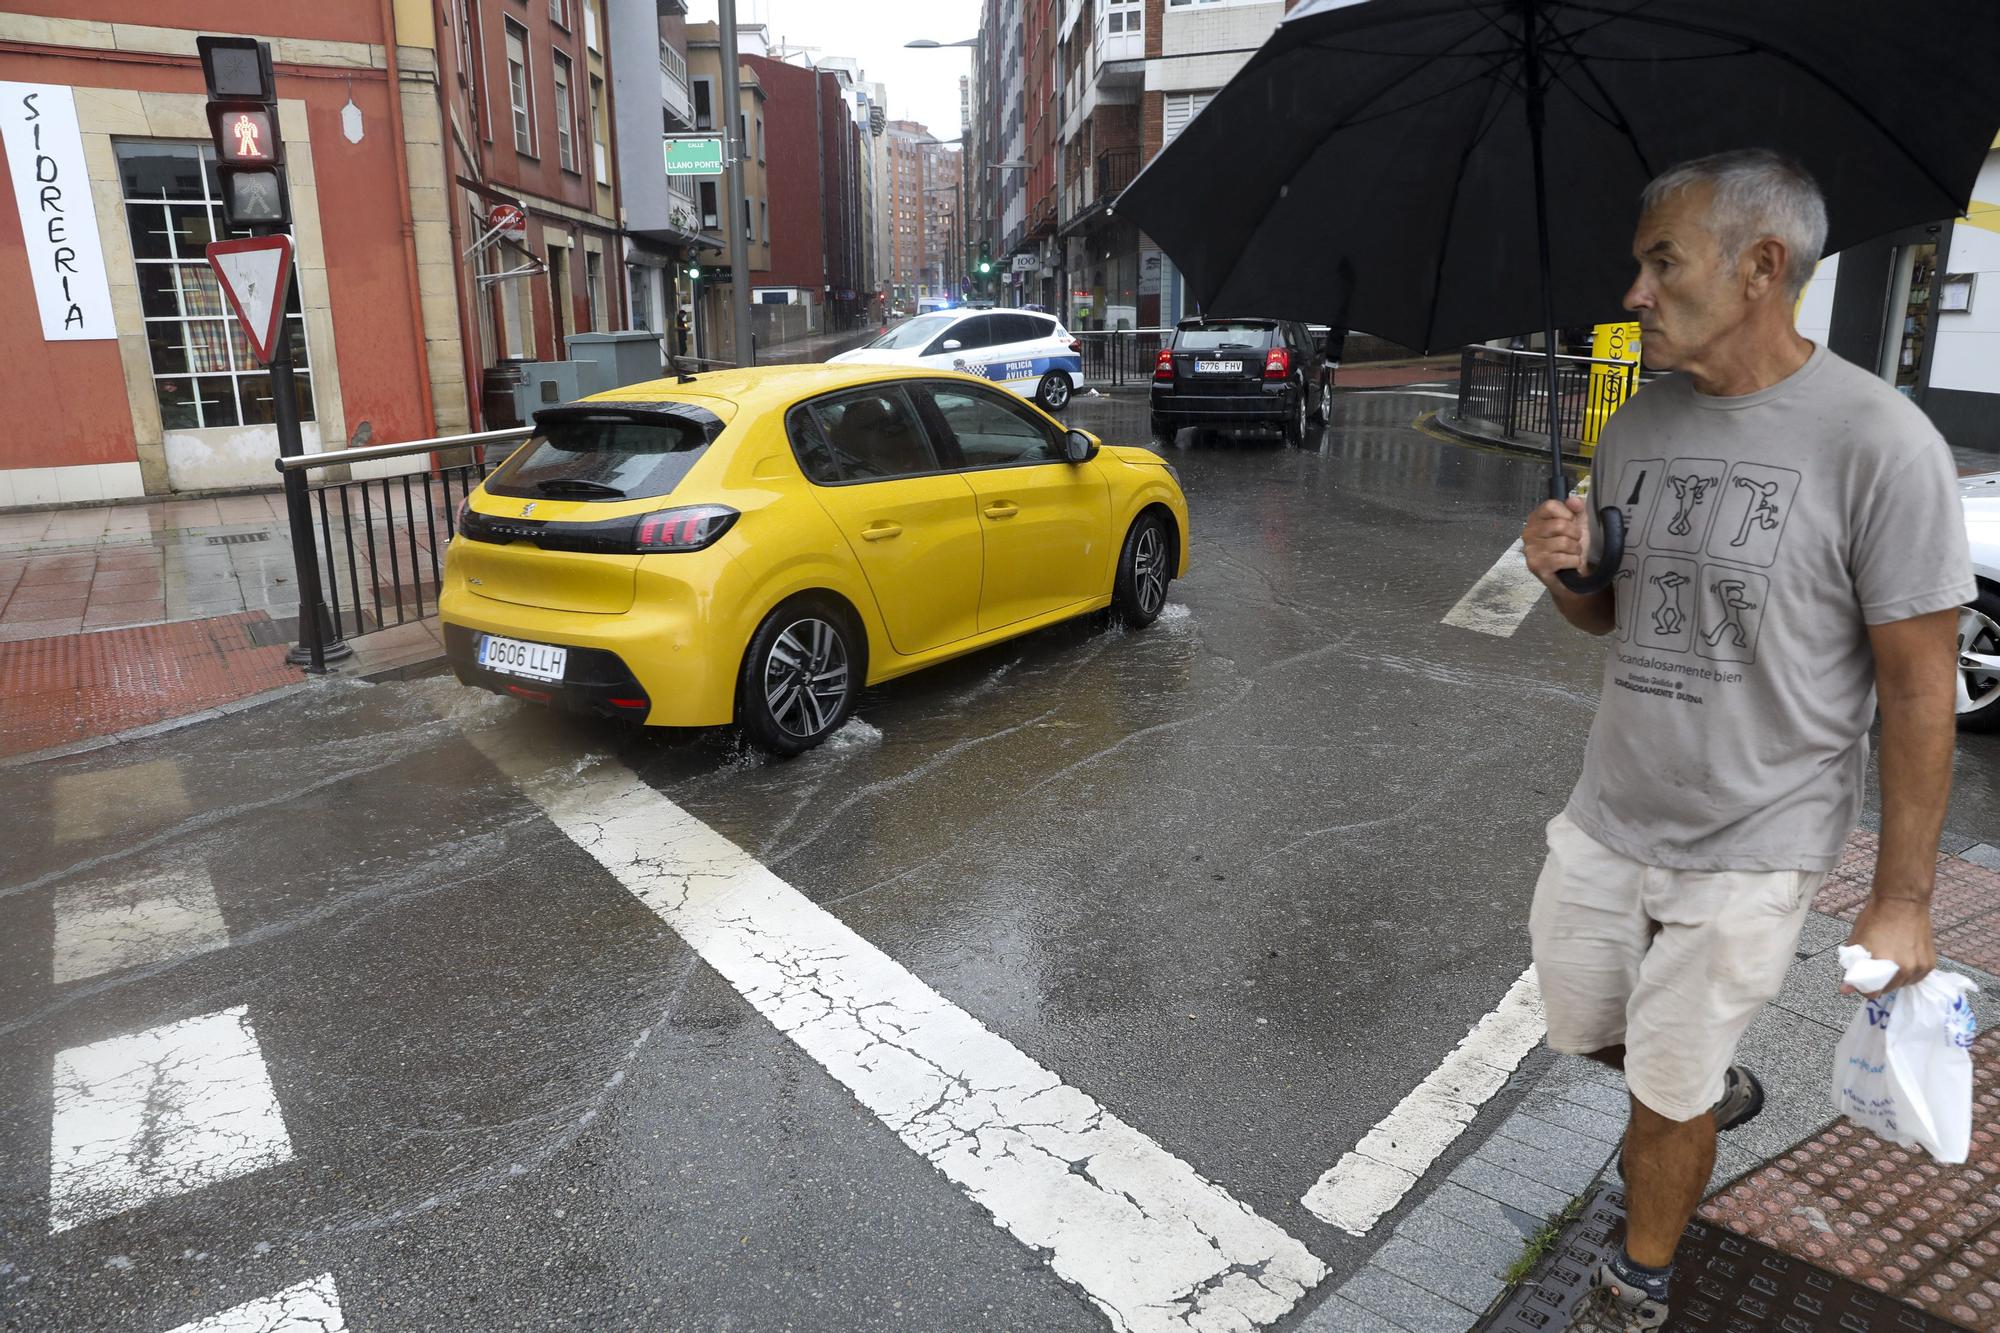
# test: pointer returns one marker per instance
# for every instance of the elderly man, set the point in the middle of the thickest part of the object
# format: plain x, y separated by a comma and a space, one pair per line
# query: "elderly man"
1794, 555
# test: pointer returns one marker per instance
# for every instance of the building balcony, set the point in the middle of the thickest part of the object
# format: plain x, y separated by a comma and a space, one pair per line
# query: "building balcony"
1118, 60
675, 94
1115, 170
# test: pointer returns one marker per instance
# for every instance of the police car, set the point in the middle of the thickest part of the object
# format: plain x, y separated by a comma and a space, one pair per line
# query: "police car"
1029, 353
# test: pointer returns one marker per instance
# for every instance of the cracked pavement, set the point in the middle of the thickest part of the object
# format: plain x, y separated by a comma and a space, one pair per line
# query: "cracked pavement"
1182, 914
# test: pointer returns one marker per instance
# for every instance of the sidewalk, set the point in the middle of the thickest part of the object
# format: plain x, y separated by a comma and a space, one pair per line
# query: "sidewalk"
122, 616
1796, 1179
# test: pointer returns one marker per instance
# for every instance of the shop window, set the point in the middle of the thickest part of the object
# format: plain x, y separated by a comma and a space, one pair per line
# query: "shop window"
203, 373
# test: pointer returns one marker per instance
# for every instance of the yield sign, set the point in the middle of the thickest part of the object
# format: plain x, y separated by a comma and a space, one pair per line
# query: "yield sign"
255, 273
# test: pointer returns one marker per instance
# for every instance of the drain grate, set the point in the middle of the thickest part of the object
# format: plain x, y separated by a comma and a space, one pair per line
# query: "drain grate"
239, 538
1722, 1281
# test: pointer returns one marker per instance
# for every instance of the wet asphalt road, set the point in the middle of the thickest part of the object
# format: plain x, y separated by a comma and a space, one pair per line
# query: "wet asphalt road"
1243, 878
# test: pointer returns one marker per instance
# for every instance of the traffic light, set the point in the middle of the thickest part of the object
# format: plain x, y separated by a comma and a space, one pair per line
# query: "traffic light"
694, 271
243, 123
985, 264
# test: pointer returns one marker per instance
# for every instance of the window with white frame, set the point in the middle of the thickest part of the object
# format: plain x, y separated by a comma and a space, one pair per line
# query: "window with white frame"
602, 155
1123, 16
704, 103
593, 281
590, 24
711, 212
203, 372
764, 218
1180, 109
520, 89
559, 13
749, 230
565, 114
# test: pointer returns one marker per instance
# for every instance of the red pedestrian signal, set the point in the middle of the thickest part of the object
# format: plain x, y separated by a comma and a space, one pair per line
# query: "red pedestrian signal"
243, 126
244, 136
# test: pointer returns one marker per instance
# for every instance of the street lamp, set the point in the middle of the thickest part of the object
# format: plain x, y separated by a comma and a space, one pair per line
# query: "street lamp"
931, 44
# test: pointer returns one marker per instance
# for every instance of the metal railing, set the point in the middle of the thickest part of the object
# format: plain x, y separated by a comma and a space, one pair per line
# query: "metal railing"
1505, 392
1115, 169
379, 540
1121, 356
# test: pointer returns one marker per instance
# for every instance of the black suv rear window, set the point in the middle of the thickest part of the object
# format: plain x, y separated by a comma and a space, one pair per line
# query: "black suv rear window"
1225, 338
581, 453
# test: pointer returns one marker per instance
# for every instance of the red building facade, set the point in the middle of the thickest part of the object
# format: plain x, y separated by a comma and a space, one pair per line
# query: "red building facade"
162, 396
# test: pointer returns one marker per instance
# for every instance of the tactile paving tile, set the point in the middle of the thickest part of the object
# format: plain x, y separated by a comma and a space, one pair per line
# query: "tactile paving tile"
1722, 1282
1888, 1217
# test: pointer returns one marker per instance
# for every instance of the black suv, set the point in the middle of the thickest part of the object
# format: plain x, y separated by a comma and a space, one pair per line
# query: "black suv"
1239, 375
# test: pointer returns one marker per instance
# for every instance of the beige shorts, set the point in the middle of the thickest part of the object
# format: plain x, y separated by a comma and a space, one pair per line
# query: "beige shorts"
1672, 964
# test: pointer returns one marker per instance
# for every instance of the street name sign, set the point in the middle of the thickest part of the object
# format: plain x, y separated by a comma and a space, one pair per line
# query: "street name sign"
694, 155
255, 274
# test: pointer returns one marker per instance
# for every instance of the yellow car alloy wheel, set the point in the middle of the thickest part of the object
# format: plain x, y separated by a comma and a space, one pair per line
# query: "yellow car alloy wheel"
800, 677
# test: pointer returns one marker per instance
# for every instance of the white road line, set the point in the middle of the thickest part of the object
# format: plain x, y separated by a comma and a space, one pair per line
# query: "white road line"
98, 802
108, 925
1368, 1182
158, 1113
309, 1307
1144, 1237
1502, 598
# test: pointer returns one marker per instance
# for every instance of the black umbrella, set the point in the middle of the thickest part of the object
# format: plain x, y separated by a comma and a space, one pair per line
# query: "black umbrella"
1392, 165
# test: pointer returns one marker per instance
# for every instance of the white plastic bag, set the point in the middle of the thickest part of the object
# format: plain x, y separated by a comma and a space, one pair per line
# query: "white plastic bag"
1904, 1067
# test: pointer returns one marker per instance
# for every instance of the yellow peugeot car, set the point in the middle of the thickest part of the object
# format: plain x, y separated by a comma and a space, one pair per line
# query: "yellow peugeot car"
754, 546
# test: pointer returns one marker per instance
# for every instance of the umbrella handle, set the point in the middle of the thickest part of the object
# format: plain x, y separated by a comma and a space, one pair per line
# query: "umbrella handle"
1612, 519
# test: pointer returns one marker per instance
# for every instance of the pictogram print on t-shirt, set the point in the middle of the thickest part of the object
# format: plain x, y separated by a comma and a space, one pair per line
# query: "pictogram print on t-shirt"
1751, 513
1693, 485
1732, 613
1622, 595
1667, 599
1638, 494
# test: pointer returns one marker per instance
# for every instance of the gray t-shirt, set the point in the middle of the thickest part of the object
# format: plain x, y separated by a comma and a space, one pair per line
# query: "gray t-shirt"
1764, 534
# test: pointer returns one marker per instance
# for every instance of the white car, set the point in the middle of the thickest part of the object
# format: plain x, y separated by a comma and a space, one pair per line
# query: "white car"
1979, 619
1031, 354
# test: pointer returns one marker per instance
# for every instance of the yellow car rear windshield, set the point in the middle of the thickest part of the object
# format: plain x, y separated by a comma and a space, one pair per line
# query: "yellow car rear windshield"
623, 451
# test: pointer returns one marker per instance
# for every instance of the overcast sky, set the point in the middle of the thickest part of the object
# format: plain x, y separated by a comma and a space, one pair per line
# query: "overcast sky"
922, 85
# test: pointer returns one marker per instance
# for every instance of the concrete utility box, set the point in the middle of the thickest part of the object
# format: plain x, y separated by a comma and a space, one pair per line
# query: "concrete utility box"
612, 360
544, 384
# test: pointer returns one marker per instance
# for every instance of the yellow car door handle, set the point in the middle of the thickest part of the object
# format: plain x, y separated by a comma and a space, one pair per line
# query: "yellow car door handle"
876, 532
1002, 510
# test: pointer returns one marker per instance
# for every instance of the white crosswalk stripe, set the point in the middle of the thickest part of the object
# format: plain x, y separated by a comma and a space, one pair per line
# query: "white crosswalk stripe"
108, 925
1502, 598
153, 1114
1145, 1238
1367, 1182
308, 1307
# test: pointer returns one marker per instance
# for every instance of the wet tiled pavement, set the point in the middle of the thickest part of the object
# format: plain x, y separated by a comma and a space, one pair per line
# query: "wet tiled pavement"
71, 687
71, 570
1887, 1217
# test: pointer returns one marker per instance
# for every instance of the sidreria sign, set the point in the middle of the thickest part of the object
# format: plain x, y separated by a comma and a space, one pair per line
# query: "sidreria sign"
58, 223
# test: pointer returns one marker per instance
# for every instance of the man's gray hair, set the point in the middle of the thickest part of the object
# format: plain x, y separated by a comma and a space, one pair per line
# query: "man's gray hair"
1757, 193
